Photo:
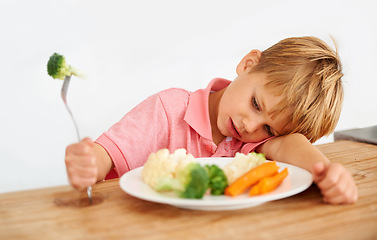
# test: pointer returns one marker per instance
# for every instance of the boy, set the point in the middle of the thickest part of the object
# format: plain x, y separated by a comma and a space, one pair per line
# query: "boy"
282, 100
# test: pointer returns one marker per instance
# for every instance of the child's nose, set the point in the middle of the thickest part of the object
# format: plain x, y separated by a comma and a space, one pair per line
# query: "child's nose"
252, 125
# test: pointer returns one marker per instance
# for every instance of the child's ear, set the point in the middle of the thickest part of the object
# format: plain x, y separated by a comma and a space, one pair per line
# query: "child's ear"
248, 61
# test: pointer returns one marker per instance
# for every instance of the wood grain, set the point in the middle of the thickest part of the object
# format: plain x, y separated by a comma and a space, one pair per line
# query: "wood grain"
62, 213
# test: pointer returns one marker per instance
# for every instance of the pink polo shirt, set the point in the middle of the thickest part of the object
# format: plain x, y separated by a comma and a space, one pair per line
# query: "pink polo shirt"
172, 119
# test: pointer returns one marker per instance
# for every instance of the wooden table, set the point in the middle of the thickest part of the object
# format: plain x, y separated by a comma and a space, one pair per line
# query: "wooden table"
58, 212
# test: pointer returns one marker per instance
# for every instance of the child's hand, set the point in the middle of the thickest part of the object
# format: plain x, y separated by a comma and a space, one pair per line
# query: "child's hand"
335, 182
80, 161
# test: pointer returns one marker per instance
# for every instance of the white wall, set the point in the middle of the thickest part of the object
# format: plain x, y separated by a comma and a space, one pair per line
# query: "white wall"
131, 49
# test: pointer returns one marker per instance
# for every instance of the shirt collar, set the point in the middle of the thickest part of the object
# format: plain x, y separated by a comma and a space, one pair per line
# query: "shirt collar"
197, 113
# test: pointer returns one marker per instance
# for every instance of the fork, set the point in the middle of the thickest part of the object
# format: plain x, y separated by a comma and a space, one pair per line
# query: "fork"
64, 97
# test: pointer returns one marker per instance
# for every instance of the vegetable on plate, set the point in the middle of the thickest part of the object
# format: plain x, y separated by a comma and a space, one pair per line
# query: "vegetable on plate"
191, 181
251, 177
241, 164
269, 183
179, 172
217, 179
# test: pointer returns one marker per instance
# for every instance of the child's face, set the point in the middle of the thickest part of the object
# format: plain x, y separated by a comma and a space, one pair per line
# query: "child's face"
244, 110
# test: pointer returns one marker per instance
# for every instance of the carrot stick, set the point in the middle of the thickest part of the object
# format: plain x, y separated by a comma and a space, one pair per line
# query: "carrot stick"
251, 177
269, 183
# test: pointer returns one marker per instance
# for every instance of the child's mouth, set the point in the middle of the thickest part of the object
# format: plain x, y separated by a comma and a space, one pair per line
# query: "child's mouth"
233, 129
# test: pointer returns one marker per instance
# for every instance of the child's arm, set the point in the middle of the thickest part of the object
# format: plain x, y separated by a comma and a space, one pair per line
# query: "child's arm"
87, 162
335, 182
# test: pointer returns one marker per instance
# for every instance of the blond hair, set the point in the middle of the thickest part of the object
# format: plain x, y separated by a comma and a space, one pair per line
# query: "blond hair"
307, 72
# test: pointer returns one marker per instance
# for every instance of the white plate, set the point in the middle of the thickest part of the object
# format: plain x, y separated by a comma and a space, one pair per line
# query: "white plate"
297, 181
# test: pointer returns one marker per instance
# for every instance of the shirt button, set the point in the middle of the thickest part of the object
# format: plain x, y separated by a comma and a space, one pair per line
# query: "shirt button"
209, 148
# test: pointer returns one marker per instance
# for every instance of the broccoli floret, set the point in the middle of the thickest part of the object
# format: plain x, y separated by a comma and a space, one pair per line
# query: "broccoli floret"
195, 179
217, 179
190, 182
57, 67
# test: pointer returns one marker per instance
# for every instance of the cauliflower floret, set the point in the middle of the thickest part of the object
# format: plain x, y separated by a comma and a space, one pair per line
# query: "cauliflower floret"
241, 164
163, 164
158, 165
183, 160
